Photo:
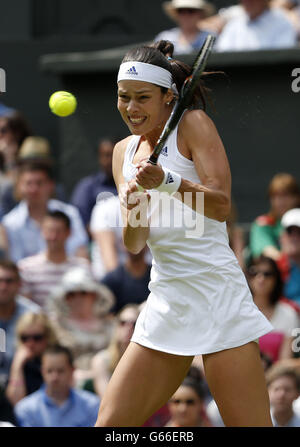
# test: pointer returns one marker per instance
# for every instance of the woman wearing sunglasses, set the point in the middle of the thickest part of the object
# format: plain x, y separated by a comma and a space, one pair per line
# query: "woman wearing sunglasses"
34, 334
266, 285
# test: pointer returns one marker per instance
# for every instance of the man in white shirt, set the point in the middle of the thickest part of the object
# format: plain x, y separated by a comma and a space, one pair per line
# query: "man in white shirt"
22, 224
261, 27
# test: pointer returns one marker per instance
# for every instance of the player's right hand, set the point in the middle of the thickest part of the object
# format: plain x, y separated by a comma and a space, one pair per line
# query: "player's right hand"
130, 196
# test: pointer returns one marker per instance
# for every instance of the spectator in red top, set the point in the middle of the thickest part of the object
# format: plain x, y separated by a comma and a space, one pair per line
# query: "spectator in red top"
284, 194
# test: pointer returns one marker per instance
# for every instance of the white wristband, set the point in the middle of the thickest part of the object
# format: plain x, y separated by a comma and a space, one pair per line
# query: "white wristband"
170, 183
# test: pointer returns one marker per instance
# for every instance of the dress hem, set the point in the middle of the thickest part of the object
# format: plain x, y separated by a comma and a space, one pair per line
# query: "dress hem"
219, 348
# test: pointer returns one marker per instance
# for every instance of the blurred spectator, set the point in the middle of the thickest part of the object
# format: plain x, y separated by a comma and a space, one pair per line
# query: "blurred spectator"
129, 281
187, 406
187, 37
290, 259
284, 388
106, 226
292, 10
13, 131
217, 22
56, 403
105, 362
261, 27
5, 110
266, 285
236, 236
86, 192
23, 223
284, 194
43, 272
12, 307
33, 148
34, 334
79, 309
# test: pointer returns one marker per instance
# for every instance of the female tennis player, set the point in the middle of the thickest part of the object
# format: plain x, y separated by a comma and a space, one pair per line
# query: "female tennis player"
199, 302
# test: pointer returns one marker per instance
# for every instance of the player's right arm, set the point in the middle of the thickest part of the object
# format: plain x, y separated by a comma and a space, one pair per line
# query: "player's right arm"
133, 208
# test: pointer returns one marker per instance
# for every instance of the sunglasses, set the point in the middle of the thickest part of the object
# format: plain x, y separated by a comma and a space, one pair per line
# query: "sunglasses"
293, 230
187, 10
265, 273
188, 402
35, 337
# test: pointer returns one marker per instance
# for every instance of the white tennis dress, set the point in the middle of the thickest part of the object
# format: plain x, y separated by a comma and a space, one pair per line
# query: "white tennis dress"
199, 301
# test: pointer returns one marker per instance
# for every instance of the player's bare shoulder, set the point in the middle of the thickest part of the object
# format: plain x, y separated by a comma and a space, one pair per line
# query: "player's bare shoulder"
196, 125
195, 120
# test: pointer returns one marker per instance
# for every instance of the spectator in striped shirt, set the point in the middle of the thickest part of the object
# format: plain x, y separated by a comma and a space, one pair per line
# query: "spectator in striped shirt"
42, 272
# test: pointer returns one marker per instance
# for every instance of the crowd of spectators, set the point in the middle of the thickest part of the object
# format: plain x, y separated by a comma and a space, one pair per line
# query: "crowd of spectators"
244, 26
70, 293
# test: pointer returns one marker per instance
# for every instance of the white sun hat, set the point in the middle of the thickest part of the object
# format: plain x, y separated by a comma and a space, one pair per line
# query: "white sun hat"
291, 218
171, 7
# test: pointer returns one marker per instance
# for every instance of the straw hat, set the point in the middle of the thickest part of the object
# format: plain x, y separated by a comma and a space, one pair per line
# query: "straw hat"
171, 7
34, 147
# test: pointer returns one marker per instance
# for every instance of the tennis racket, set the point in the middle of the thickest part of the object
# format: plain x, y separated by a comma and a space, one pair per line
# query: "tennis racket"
185, 97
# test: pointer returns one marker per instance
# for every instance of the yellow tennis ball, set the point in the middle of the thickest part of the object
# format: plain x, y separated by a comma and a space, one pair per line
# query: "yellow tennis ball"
62, 103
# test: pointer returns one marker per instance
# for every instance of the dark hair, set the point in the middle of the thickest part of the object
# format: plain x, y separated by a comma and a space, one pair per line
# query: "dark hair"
112, 140
278, 287
156, 54
59, 349
196, 385
6, 264
59, 215
17, 124
34, 166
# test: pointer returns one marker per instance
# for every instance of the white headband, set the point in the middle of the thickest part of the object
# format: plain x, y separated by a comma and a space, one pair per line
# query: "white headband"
140, 71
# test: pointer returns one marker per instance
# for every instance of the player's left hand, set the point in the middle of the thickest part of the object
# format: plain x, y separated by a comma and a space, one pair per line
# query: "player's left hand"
149, 176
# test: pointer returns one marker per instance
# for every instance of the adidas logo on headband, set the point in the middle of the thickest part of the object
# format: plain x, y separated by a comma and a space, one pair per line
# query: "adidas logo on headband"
132, 70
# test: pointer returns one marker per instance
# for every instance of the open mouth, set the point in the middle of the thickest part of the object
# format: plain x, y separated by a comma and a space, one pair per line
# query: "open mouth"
136, 121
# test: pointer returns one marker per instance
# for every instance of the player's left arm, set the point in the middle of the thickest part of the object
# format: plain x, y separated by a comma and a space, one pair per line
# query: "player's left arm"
199, 138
